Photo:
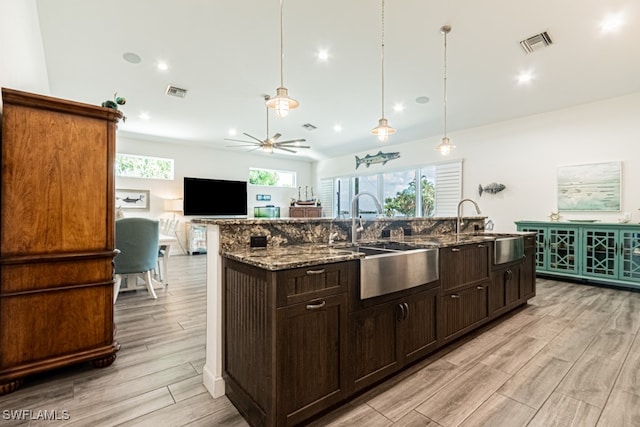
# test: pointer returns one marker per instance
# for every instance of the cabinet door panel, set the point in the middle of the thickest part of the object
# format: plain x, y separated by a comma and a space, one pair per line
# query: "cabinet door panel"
310, 347
600, 253
418, 328
630, 255
563, 250
374, 343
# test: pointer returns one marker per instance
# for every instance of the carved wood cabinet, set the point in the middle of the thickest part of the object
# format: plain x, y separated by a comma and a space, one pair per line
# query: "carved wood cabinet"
56, 235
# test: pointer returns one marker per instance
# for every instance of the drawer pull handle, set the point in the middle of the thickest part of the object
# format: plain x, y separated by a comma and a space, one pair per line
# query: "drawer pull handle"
313, 272
481, 245
480, 288
455, 296
455, 250
316, 306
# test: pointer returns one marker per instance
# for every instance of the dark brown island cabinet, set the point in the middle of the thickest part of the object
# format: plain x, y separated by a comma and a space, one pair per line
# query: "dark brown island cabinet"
56, 235
300, 341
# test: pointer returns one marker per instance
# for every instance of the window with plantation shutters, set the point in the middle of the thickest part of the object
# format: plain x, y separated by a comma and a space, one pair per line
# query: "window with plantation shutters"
436, 190
326, 197
448, 191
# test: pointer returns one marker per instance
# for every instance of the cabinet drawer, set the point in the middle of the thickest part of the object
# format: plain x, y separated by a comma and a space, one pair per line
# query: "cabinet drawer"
462, 266
301, 284
463, 309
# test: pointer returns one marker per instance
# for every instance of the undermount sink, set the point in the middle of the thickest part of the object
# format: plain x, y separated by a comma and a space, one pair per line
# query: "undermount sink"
388, 268
507, 249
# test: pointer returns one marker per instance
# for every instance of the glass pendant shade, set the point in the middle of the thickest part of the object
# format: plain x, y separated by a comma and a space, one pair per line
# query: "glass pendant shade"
281, 103
445, 147
383, 130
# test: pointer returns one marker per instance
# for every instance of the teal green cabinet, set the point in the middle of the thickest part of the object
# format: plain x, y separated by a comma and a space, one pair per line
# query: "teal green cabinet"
598, 252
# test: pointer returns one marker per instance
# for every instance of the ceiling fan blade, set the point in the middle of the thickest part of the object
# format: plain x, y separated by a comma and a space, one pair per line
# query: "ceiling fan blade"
275, 137
240, 140
292, 141
253, 137
245, 145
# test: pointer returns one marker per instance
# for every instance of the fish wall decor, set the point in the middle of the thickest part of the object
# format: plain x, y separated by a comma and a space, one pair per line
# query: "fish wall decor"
376, 158
492, 188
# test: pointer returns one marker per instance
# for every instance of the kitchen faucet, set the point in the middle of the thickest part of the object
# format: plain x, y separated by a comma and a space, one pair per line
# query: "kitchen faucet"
354, 228
459, 221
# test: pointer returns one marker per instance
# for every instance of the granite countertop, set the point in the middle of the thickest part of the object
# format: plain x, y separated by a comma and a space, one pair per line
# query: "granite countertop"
293, 256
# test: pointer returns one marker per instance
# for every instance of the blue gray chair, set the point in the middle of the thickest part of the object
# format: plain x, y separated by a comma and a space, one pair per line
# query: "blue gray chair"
137, 241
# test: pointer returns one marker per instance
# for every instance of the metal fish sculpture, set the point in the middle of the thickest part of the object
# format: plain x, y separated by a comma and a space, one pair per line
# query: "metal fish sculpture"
377, 158
492, 188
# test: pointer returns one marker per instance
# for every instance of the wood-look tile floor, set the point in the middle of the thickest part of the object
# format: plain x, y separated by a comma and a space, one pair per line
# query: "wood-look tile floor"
571, 357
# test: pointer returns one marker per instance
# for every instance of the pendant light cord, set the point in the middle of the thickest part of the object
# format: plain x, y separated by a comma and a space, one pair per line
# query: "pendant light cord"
281, 47
382, 56
445, 81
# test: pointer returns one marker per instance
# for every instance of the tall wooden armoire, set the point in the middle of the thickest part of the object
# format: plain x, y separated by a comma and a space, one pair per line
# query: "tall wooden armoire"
56, 235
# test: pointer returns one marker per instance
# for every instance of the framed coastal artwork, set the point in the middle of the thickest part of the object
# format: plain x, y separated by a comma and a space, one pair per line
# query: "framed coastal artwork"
132, 199
590, 187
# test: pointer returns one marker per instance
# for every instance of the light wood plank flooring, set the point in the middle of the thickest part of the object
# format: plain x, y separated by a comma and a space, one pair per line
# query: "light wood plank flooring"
569, 358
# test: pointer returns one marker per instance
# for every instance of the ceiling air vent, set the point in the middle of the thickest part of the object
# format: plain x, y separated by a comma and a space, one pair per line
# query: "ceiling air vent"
309, 126
536, 42
176, 91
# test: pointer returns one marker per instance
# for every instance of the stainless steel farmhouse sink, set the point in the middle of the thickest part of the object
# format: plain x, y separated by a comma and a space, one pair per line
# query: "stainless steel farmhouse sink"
388, 268
507, 249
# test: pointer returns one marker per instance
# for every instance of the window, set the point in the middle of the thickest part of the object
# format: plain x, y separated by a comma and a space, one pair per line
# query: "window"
439, 187
272, 178
132, 166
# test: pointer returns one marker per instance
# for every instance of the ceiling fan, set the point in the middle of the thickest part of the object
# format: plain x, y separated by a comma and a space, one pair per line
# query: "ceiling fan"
269, 144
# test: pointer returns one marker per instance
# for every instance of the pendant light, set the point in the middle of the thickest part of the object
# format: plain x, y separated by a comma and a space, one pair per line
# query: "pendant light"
281, 103
445, 147
383, 130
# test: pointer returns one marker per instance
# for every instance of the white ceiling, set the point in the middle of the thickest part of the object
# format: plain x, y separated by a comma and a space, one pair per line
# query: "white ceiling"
227, 55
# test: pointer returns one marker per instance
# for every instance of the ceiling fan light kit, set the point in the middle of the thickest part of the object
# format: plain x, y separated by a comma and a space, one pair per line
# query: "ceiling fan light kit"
383, 130
282, 103
445, 147
268, 145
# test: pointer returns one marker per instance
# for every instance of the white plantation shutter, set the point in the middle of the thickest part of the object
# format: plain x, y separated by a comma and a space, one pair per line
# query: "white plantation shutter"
326, 197
448, 188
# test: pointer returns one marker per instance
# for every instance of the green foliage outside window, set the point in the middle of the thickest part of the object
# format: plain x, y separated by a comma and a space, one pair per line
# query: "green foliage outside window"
263, 177
272, 178
404, 202
131, 166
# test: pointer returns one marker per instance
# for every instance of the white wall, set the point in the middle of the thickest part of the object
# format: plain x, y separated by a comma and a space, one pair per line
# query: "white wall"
202, 162
524, 155
22, 61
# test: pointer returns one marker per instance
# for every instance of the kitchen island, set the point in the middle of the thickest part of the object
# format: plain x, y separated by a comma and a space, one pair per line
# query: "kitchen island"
308, 341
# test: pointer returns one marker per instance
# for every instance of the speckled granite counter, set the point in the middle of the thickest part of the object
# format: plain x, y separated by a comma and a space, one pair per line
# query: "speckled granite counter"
294, 256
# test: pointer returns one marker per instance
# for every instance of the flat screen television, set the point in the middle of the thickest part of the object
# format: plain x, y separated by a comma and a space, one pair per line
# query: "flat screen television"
214, 197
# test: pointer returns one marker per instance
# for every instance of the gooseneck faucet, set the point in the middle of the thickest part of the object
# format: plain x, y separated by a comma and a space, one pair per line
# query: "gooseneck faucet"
354, 204
459, 221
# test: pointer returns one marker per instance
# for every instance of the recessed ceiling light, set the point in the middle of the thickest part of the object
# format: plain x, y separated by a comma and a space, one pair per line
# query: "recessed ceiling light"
144, 115
612, 22
233, 132
398, 107
422, 99
131, 57
323, 55
337, 128
163, 66
525, 77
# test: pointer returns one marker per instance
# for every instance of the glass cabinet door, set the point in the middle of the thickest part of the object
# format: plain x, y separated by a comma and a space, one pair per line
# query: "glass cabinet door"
629, 248
562, 246
600, 256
